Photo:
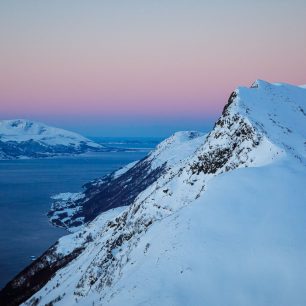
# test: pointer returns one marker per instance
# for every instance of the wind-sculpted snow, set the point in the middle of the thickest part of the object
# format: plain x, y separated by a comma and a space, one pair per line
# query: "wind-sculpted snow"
222, 225
27, 139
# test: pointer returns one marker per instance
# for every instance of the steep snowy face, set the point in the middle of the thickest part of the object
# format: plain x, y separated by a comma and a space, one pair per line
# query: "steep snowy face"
23, 138
258, 125
120, 188
246, 135
170, 245
284, 115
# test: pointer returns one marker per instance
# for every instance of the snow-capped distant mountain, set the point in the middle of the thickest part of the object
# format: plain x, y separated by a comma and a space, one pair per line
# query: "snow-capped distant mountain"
27, 139
223, 223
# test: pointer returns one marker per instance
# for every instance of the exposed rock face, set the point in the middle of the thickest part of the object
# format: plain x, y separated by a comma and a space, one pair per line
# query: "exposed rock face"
186, 234
231, 140
102, 195
30, 280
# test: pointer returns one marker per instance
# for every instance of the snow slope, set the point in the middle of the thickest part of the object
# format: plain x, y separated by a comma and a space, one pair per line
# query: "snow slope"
243, 245
223, 226
121, 187
23, 138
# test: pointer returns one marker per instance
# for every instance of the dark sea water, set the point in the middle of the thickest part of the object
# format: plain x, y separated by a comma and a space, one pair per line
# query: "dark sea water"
25, 190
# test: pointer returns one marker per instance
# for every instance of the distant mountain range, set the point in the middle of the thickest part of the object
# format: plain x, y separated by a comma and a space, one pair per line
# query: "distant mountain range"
216, 219
28, 139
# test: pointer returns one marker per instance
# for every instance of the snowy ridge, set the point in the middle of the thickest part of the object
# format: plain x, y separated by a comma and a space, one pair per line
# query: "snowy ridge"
175, 148
25, 130
27, 139
229, 217
124, 169
121, 187
284, 116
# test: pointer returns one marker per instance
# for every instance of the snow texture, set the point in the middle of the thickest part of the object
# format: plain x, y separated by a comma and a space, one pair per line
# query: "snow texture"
224, 225
120, 188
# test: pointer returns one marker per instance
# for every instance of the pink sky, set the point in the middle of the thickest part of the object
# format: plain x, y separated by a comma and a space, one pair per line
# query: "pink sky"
127, 58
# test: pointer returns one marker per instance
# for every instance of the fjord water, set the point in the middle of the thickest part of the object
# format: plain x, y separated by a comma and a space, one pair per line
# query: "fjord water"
25, 190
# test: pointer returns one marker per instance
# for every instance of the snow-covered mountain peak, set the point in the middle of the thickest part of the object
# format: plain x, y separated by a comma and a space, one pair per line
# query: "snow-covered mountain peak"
21, 138
24, 130
211, 207
260, 83
16, 127
176, 148
277, 110
176, 139
17, 124
258, 125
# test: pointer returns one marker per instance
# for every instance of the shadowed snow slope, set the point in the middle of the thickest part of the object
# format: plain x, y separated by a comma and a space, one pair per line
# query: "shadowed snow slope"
23, 139
225, 225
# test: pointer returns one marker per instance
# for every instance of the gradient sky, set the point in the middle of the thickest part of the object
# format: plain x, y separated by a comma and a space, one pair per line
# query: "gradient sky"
136, 68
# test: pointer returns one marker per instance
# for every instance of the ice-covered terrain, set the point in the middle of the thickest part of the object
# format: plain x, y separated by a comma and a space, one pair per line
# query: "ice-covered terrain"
223, 224
120, 188
27, 139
